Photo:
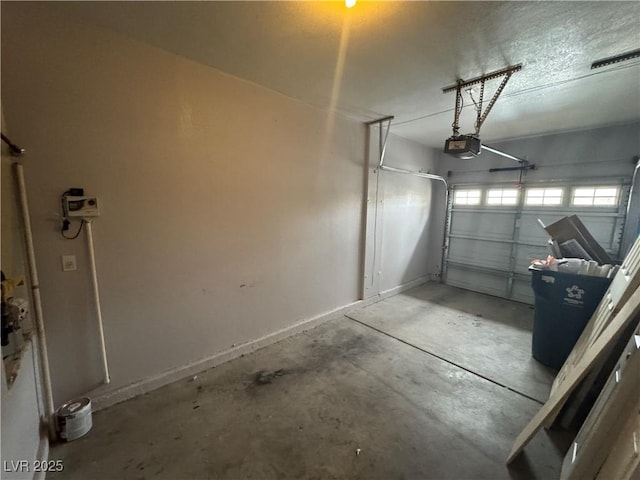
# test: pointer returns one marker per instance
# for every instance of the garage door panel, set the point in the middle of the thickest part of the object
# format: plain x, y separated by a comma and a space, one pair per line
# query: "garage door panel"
477, 281
504, 239
526, 253
522, 292
603, 230
603, 227
484, 225
481, 253
531, 231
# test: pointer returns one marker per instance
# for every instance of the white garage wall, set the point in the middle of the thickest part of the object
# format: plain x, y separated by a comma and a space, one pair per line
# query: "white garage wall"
399, 225
407, 226
228, 211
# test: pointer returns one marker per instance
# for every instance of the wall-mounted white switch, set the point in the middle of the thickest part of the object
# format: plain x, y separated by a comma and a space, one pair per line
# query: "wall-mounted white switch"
69, 263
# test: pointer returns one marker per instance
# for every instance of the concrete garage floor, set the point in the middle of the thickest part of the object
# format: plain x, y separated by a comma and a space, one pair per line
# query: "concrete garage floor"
399, 383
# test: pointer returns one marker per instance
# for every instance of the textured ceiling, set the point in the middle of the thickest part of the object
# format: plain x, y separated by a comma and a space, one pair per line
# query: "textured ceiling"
393, 58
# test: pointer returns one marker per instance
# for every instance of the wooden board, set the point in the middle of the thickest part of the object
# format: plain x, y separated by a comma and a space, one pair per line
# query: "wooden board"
583, 398
607, 417
572, 228
592, 354
623, 463
624, 284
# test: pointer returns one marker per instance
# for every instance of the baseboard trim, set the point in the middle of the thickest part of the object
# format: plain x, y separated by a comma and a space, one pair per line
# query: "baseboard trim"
401, 288
140, 387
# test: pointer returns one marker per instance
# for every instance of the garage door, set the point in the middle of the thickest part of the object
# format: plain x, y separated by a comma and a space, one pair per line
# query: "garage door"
493, 231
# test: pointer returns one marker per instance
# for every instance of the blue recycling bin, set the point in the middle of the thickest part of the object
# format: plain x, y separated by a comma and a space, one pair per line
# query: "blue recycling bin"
564, 303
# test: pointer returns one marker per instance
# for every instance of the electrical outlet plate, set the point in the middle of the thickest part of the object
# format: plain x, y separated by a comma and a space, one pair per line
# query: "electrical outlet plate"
69, 263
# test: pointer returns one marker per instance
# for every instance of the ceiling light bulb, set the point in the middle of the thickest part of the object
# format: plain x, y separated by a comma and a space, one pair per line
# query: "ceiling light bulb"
350, 3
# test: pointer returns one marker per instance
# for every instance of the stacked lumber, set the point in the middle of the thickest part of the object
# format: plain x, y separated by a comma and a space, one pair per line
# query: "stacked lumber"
592, 445
619, 307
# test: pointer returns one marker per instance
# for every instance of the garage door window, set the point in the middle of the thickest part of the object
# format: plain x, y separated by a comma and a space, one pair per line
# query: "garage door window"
502, 196
544, 197
467, 197
595, 196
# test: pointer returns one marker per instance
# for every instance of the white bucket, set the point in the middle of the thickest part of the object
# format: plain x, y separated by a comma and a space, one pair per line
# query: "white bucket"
74, 419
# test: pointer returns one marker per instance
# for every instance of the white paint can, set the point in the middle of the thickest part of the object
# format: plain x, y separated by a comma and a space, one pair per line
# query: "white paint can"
74, 419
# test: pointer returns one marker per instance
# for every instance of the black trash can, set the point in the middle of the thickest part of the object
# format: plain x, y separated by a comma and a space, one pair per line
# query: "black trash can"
564, 303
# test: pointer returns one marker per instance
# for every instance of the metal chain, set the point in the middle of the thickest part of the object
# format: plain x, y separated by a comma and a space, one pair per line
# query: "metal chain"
479, 109
458, 110
493, 100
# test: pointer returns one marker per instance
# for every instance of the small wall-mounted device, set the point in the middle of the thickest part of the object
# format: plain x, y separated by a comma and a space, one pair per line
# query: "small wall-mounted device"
80, 206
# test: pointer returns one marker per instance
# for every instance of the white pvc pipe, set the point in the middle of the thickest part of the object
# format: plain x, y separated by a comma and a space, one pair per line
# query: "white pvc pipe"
37, 304
96, 297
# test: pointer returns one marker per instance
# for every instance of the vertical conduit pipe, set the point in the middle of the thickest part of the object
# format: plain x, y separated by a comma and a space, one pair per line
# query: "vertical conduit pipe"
96, 299
37, 304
